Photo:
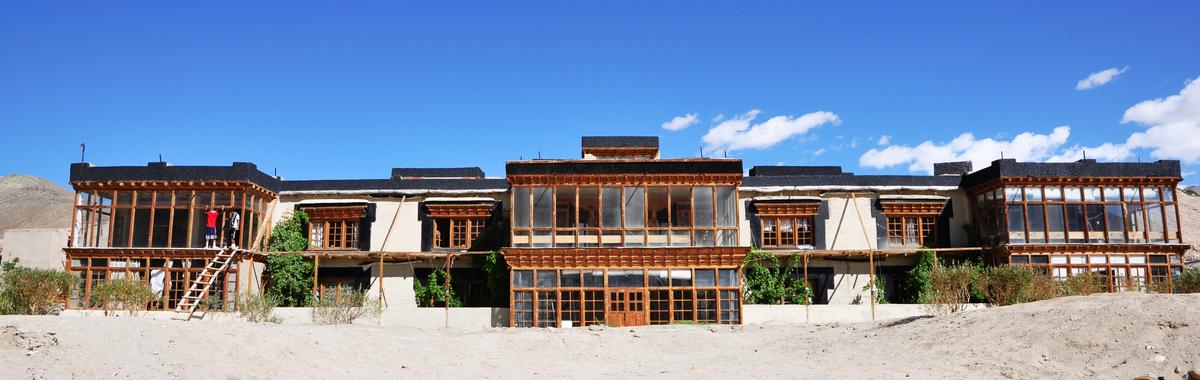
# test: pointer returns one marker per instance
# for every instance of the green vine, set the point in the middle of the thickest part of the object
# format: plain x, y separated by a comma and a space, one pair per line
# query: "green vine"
495, 273
768, 281
433, 292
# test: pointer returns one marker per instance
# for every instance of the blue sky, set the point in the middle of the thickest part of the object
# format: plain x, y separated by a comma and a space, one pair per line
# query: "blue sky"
351, 89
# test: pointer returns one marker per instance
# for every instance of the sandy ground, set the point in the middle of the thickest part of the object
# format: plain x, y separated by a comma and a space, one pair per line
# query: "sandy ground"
1106, 336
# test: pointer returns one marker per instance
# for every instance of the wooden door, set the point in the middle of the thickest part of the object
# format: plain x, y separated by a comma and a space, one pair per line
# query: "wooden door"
626, 307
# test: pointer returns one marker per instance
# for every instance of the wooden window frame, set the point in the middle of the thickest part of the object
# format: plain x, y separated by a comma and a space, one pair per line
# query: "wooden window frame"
471, 227
563, 237
1168, 236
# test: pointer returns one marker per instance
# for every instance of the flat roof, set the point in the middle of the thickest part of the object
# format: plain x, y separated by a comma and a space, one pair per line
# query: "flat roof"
1008, 168
660, 166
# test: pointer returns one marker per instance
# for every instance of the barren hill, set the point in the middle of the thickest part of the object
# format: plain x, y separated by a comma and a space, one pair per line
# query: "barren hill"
1189, 213
33, 202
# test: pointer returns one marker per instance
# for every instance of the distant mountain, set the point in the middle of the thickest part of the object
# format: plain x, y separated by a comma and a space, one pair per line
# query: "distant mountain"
33, 202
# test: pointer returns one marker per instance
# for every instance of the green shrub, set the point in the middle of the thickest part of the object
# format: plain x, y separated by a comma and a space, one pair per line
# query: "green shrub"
344, 309
1080, 284
951, 288
122, 294
495, 274
433, 292
33, 291
290, 279
289, 276
1187, 282
1005, 285
257, 307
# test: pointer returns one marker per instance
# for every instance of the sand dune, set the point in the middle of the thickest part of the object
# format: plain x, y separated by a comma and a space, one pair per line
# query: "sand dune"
1108, 336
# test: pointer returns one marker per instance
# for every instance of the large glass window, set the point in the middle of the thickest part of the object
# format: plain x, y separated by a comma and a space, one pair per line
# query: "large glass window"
175, 218
630, 216
1094, 214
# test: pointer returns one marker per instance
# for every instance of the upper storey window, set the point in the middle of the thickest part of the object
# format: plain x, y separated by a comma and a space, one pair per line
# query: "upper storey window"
334, 227
624, 216
458, 225
912, 223
787, 225
1040, 214
161, 217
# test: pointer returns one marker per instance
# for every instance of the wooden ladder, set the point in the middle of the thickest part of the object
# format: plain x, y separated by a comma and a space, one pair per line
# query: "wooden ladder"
200, 286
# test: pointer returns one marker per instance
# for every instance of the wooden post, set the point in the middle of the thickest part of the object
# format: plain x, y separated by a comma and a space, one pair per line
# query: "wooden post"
382, 299
870, 253
316, 268
808, 285
449, 264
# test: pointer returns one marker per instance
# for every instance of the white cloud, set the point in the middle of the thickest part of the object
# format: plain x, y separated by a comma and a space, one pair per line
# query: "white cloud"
1174, 125
1173, 133
1099, 78
1026, 146
818, 152
739, 133
680, 122
885, 139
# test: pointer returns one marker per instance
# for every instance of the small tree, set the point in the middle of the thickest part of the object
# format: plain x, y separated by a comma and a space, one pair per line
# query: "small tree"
290, 275
1188, 281
33, 291
769, 281
123, 294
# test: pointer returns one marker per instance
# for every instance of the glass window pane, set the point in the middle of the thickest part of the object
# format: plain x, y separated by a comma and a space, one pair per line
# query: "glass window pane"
1033, 193
1155, 218
124, 198
728, 277
1091, 194
564, 206
1132, 194
570, 278
635, 207
1053, 193
1112, 194
520, 207
145, 198
681, 207
522, 279
702, 202
1172, 223
1072, 194
726, 206
543, 207
593, 278
1135, 225
706, 277
611, 199
705, 238
589, 207
1150, 194
1075, 223
658, 277
1012, 194
1169, 194
1116, 226
1037, 224
657, 214
1016, 223
681, 277
1055, 223
727, 238
547, 278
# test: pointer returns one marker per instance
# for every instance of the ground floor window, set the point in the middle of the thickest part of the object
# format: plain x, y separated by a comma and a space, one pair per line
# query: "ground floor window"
168, 278
625, 296
1117, 272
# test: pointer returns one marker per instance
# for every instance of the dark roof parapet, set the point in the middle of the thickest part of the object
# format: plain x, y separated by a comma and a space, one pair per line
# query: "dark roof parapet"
162, 171
1009, 168
952, 168
758, 171
620, 141
667, 166
461, 172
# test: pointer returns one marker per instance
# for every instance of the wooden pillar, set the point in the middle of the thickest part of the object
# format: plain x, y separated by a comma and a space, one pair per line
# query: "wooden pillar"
808, 300
449, 264
316, 268
382, 298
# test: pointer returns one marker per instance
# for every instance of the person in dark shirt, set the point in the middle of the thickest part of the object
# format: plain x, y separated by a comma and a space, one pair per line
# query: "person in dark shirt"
234, 225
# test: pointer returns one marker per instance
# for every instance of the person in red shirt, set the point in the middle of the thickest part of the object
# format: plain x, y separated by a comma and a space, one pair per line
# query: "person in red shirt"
210, 228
